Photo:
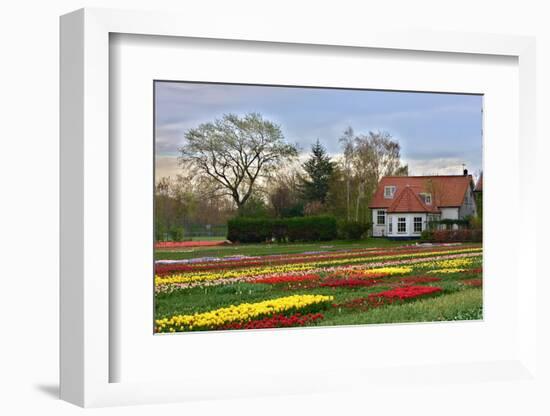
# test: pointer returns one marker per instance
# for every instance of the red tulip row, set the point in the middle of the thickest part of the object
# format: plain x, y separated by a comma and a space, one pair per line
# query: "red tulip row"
177, 244
343, 280
420, 279
349, 282
277, 321
406, 292
388, 297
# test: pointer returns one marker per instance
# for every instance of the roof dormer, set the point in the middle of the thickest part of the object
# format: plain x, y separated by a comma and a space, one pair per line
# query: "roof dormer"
389, 192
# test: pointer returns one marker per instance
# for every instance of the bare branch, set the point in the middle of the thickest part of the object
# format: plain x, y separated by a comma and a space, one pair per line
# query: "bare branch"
235, 152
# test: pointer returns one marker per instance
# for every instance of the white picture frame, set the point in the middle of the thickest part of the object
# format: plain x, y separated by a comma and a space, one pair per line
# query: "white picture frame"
85, 211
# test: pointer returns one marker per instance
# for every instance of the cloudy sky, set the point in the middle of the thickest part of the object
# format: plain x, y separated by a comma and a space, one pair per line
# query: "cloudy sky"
437, 132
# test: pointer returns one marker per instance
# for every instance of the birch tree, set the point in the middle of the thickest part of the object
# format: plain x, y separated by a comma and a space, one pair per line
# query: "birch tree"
366, 159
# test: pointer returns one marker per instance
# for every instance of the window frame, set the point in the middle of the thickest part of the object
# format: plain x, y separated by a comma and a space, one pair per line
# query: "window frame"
386, 188
415, 224
404, 223
425, 196
383, 211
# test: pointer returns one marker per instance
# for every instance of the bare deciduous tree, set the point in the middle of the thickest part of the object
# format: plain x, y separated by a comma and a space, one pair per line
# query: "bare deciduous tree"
235, 152
283, 192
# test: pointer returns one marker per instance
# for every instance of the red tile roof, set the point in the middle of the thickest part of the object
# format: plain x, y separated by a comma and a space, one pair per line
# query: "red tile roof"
446, 191
408, 201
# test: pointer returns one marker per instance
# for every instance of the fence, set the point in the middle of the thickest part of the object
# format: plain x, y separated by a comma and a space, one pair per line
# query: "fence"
188, 232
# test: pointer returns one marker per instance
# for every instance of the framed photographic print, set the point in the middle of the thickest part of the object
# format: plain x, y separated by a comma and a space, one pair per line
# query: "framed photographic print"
322, 213
255, 231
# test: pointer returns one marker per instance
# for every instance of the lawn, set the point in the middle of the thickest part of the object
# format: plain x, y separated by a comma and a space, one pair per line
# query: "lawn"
271, 249
336, 283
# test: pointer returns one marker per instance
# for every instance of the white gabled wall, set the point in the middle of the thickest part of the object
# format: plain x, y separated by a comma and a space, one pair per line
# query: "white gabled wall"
384, 230
449, 213
468, 207
378, 230
409, 221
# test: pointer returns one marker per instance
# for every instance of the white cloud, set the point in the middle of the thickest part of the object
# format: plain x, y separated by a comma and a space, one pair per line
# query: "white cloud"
438, 166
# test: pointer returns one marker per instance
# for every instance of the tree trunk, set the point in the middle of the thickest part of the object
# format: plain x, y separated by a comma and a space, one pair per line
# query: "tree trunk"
240, 209
347, 203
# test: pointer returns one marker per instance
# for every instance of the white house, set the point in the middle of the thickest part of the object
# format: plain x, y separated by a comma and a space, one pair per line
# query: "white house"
402, 206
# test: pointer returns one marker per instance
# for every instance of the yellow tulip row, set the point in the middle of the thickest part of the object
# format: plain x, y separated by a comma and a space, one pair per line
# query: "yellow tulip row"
446, 264
287, 268
388, 270
238, 313
445, 271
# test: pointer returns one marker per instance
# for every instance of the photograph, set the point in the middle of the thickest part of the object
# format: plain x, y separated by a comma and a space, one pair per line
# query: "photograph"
297, 206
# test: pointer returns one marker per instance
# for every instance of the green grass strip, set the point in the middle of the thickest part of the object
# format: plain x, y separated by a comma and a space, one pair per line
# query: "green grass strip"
463, 305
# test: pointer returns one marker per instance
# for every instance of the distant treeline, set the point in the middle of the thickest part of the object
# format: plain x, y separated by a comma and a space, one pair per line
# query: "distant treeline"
244, 167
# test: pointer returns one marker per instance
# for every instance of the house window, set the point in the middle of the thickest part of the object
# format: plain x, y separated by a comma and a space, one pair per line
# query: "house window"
427, 198
381, 217
390, 226
389, 191
401, 225
417, 224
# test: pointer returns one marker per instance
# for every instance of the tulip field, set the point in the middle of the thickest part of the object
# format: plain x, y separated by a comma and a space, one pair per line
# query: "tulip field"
244, 287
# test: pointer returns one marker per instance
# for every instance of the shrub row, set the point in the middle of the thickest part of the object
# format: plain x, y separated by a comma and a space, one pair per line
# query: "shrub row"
447, 236
352, 230
258, 230
459, 222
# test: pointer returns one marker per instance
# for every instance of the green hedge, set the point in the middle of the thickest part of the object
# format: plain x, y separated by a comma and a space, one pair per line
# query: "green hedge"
258, 230
352, 230
249, 230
